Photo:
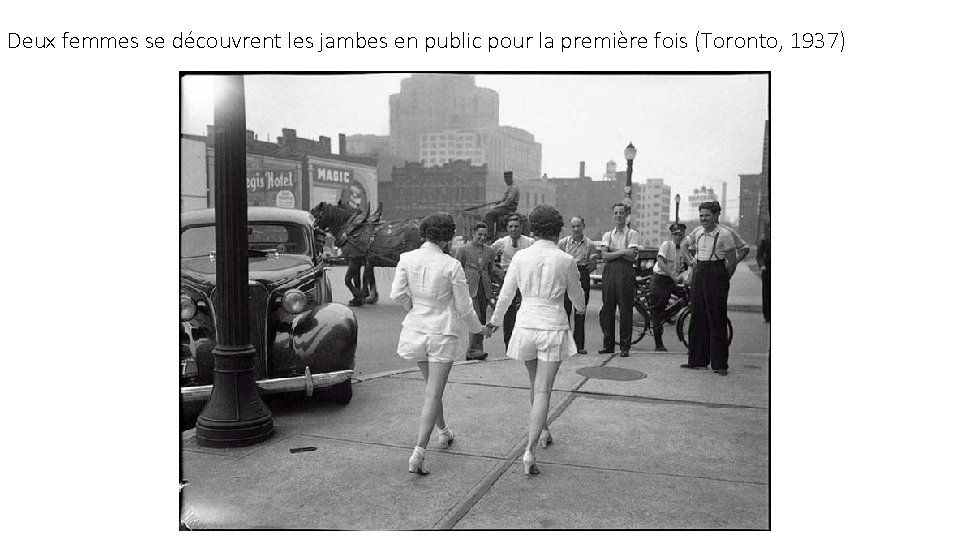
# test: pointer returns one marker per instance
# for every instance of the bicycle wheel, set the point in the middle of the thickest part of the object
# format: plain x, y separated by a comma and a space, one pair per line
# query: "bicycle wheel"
683, 328
642, 322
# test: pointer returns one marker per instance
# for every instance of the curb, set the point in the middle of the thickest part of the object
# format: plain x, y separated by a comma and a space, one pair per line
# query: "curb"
745, 308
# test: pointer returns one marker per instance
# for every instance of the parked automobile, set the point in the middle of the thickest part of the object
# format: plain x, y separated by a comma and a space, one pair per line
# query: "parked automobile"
303, 341
646, 259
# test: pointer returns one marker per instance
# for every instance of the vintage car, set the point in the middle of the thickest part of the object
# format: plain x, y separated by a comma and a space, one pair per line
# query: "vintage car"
646, 259
303, 341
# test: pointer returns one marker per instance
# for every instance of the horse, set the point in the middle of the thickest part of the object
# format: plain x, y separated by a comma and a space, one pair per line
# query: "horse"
366, 242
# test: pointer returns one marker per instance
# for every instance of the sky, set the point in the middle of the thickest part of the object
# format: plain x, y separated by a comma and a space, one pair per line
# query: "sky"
690, 130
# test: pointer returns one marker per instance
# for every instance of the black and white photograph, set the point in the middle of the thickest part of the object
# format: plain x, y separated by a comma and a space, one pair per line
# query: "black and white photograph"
472, 301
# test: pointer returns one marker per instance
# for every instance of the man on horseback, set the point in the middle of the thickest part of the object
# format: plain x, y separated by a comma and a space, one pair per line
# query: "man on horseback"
504, 207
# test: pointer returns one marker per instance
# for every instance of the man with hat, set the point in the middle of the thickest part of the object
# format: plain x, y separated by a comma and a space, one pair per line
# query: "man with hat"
666, 273
505, 206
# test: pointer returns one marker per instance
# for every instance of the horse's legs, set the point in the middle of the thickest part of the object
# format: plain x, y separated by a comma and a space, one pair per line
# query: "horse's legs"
352, 280
370, 283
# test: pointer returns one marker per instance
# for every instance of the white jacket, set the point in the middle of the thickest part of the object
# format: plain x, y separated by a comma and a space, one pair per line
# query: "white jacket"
432, 285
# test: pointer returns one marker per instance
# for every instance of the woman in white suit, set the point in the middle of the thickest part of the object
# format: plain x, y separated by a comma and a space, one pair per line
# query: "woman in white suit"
433, 288
542, 337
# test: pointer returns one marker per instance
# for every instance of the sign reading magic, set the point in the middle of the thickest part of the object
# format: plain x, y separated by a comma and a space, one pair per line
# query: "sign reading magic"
323, 174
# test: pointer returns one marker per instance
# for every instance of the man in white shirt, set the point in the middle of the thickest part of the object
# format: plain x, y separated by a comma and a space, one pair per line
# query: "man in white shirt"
619, 251
713, 251
666, 273
505, 248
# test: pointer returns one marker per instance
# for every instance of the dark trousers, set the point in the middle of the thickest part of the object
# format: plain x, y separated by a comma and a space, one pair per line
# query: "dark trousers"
480, 306
619, 288
660, 289
708, 316
765, 280
493, 216
510, 319
579, 320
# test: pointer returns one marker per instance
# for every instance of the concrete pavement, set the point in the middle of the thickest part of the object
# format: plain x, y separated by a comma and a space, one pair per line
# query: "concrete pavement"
640, 444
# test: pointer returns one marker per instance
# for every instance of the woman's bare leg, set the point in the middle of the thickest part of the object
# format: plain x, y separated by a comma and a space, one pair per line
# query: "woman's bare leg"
543, 384
436, 374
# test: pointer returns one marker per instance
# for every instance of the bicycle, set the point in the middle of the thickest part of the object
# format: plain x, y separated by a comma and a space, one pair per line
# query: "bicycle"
677, 312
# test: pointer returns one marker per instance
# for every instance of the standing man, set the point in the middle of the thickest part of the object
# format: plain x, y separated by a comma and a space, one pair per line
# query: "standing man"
714, 255
476, 257
666, 273
505, 248
584, 253
763, 259
505, 206
619, 252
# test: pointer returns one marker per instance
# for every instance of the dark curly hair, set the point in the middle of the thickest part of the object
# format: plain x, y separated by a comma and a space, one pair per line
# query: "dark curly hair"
438, 227
712, 206
545, 220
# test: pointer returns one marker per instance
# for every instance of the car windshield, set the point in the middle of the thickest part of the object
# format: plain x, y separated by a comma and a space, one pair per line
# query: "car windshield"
285, 238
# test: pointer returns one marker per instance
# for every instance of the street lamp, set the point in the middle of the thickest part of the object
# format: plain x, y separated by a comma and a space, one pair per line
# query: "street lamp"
677, 200
629, 152
235, 414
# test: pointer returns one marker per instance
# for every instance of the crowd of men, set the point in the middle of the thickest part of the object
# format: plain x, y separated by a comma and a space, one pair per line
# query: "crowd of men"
703, 260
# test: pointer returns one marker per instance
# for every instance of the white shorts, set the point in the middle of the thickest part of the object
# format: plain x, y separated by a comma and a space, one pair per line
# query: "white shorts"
547, 345
420, 347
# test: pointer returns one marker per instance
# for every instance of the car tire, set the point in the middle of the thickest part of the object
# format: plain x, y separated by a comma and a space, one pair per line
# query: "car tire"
342, 393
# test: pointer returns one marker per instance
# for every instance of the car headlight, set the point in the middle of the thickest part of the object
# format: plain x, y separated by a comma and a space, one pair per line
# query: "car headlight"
188, 308
294, 301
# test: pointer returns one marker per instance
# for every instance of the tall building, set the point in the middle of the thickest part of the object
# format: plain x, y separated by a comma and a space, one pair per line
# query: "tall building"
438, 119
755, 196
651, 211
431, 103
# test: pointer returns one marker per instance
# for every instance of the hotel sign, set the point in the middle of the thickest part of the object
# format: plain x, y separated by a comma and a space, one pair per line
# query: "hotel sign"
272, 188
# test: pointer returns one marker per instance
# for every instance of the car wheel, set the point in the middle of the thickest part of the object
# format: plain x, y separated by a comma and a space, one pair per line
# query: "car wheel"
342, 393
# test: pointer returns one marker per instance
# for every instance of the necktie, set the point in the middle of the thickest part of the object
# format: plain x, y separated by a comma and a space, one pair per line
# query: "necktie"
514, 243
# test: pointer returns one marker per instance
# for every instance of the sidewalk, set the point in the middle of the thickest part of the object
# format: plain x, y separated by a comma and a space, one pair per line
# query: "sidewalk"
640, 444
746, 290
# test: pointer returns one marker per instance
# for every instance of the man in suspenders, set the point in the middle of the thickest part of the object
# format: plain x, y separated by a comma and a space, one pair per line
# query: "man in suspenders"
714, 254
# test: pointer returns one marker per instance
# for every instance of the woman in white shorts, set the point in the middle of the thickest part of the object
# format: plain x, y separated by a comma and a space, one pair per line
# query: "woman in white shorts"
542, 337
431, 285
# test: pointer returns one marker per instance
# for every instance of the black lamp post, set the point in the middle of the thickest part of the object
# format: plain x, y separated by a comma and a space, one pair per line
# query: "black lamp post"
677, 200
629, 152
235, 414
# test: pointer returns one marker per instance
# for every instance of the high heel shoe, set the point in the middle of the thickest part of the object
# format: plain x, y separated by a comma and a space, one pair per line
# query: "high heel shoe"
529, 463
416, 461
445, 437
546, 439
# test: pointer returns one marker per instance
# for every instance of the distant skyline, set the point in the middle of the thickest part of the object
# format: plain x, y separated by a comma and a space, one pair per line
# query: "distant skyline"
690, 130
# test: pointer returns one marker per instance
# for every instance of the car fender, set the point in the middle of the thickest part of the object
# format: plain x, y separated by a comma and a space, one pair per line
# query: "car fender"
323, 338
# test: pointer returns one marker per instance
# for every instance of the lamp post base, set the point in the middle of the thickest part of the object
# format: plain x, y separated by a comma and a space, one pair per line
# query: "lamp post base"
235, 415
